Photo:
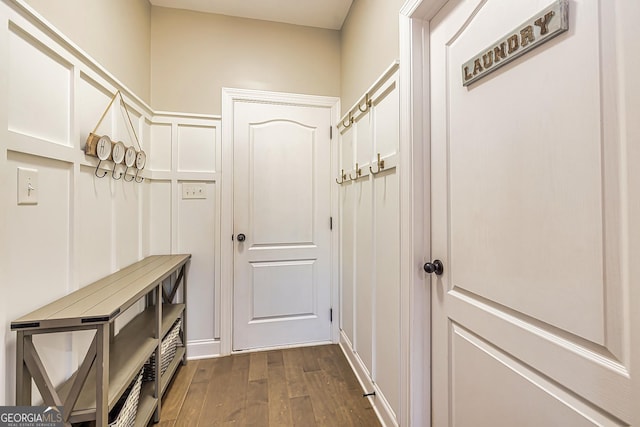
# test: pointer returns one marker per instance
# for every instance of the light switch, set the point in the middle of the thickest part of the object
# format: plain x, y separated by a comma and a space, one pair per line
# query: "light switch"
194, 190
27, 186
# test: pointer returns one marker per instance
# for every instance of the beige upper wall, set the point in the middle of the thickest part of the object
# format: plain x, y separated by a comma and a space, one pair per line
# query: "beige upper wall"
370, 43
178, 60
194, 55
116, 33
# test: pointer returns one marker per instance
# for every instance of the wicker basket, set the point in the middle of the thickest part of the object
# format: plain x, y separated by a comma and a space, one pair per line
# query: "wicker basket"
168, 349
124, 412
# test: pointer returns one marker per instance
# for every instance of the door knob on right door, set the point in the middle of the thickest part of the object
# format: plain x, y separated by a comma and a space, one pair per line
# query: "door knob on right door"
434, 267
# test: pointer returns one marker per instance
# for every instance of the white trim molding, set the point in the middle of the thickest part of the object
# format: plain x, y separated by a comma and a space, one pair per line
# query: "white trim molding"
415, 210
380, 405
203, 349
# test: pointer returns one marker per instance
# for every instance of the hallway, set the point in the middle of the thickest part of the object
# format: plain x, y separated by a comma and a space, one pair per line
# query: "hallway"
308, 386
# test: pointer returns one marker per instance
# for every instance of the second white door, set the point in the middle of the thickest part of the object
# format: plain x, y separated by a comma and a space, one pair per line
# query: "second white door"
282, 209
530, 320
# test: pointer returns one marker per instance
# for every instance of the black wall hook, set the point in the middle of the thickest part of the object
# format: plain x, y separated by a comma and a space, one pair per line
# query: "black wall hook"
96, 172
136, 177
113, 173
124, 175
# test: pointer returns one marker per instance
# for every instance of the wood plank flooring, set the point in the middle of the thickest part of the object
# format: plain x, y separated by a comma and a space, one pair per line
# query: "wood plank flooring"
307, 386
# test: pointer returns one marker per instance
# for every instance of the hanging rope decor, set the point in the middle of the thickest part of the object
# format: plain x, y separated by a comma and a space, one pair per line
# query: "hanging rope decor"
104, 149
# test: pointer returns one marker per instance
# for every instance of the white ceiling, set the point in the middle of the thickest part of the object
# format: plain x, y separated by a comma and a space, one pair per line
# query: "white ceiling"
313, 13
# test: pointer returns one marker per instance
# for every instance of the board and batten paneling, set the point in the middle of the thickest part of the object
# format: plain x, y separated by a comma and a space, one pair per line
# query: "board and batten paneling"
197, 148
386, 232
28, 115
37, 269
188, 152
160, 154
160, 217
197, 234
84, 227
347, 238
364, 240
370, 244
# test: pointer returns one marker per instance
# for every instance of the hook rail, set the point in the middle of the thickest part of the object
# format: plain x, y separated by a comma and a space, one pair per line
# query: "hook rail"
365, 103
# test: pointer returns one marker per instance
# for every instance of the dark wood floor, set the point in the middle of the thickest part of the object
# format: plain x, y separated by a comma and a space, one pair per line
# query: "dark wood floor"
308, 386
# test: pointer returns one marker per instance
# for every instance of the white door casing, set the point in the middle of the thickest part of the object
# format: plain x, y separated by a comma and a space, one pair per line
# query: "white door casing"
282, 203
531, 319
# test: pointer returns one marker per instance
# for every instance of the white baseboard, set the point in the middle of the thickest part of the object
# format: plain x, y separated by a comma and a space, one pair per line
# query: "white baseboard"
383, 410
281, 347
203, 349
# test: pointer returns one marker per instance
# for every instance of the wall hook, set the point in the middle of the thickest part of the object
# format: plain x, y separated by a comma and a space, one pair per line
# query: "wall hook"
98, 167
124, 175
343, 177
358, 173
380, 166
349, 121
367, 104
114, 171
136, 177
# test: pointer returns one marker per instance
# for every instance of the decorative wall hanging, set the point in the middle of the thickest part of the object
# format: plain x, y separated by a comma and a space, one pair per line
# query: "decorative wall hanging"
104, 149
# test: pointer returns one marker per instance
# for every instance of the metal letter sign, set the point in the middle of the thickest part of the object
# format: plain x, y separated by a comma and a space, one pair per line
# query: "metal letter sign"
542, 27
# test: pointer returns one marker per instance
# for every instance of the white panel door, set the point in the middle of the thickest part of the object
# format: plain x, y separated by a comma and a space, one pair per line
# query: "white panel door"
530, 322
282, 290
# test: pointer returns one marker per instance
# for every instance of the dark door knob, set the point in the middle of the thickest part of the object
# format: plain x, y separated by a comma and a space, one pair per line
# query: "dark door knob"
434, 267
241, 237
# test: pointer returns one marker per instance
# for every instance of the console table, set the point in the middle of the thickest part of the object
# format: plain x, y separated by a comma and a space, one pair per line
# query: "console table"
112, 360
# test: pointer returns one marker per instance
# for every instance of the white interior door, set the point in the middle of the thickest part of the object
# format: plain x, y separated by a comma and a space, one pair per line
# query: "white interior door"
530, 318
282, 178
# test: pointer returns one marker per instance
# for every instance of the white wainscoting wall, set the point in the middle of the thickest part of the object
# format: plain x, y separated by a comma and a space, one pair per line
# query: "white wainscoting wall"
186, 150
84, 227
370, 245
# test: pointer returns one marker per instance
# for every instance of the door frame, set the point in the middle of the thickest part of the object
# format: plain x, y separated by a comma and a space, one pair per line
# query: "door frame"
229, 97
415, 185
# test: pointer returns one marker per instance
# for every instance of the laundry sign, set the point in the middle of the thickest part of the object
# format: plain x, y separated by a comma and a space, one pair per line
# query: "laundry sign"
542, 27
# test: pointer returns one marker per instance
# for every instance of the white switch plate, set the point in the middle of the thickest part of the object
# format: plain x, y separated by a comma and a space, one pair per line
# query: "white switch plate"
194, 190
27, 186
